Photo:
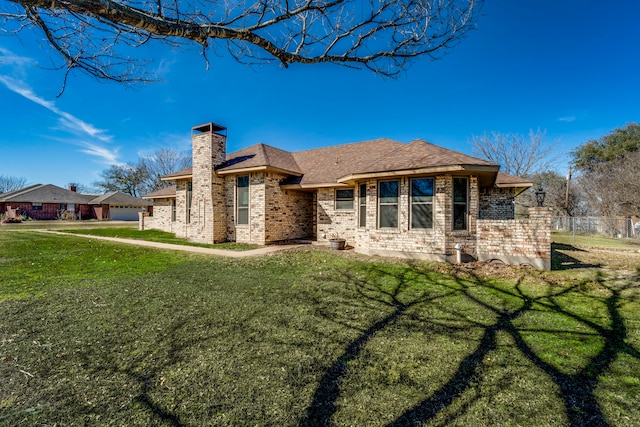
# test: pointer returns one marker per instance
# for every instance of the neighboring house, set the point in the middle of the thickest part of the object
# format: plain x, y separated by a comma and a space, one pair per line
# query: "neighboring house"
118, 206
48, 201
384, 197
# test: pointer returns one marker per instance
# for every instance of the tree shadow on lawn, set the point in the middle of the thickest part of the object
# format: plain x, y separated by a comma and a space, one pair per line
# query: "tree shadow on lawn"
391, 289
563, 261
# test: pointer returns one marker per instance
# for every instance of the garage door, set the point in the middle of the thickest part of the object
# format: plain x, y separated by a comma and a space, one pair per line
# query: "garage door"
124, 213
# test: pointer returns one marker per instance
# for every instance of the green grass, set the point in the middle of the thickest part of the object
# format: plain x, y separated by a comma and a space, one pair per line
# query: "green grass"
594, 240
157, 236
97, 333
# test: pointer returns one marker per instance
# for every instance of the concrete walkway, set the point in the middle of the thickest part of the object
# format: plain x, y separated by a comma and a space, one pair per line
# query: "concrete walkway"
195, 249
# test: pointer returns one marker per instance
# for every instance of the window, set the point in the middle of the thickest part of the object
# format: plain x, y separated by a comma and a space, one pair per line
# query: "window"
422, 203
388, 204
242, 200
173, 209
189, 197
460, 201
362, 202
344, 199
36, 206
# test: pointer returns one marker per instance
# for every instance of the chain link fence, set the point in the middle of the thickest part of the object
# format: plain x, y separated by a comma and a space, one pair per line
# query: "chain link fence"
617, 228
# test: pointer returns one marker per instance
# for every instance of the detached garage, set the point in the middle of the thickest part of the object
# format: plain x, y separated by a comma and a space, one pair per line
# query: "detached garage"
119, 206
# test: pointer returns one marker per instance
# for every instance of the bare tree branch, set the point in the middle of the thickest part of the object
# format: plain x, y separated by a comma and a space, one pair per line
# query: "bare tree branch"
381, 35
516, 154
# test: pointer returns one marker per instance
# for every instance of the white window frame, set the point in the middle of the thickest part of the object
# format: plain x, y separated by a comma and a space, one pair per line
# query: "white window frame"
242, 207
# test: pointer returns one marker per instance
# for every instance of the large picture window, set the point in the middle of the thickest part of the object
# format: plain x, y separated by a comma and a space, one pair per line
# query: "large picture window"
460, 202
362, 202
388, 192
344, 199
422, 203
242, 200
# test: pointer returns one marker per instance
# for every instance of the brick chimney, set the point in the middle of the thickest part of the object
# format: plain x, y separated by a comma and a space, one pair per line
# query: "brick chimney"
208, 208
72, 187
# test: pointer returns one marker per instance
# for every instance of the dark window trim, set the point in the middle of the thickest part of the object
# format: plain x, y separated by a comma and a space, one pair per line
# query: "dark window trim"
465, 204
412, 203
396, 204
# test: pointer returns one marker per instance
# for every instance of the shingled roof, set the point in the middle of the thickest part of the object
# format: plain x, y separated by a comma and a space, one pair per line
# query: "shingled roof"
342, 164
119, 198
163, 193
44, 193
260, 156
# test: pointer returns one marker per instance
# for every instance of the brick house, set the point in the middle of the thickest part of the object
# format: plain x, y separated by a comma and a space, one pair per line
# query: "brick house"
48, 201
384, 197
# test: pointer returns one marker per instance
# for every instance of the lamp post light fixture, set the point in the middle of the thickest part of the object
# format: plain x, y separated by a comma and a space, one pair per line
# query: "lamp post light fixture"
540, 195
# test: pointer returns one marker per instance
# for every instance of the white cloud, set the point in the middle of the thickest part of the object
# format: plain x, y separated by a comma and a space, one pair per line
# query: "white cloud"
68, 122
567, 119
109, 157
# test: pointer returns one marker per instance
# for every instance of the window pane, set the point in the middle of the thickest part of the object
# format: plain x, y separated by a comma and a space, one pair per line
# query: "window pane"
243, 215
344, 194
460, 217
363, 194
389, 192
389, 216
460, 190
422, 190
363, 216
242, 199
344, 204
422, 216
243, 196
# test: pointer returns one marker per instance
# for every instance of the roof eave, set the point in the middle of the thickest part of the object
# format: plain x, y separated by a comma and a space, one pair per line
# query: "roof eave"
419, 171
166, 196
176, 177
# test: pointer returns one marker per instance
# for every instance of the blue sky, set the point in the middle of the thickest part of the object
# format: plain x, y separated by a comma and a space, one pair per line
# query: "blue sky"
570, 68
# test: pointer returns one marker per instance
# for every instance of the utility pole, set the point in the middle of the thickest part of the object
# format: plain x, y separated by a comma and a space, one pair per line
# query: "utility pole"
566, 196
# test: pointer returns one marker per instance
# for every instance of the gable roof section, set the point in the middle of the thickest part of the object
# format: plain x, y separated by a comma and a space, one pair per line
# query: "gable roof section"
324, 166
181, 174
45, 193
164, 193
260, 156
421, 157
119, 198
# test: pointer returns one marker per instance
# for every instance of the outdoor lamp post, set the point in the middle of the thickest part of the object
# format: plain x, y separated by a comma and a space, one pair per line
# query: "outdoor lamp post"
540, 195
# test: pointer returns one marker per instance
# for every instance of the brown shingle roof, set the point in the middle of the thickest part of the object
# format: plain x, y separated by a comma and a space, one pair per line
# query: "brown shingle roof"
163, 193
261, 155
420, 154
119, 198
45, 193
335, 164
179, 174
326, 165
506, 180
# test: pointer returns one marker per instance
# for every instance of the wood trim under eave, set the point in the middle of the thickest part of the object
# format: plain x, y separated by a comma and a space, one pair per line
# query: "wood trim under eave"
420, 171
176, 178
314, 186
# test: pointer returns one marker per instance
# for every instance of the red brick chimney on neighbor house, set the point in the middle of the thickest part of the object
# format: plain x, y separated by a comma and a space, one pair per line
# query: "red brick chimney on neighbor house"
72, 187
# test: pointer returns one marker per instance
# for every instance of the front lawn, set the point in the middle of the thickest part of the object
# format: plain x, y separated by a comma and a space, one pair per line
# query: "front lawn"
97, 333
157, 236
